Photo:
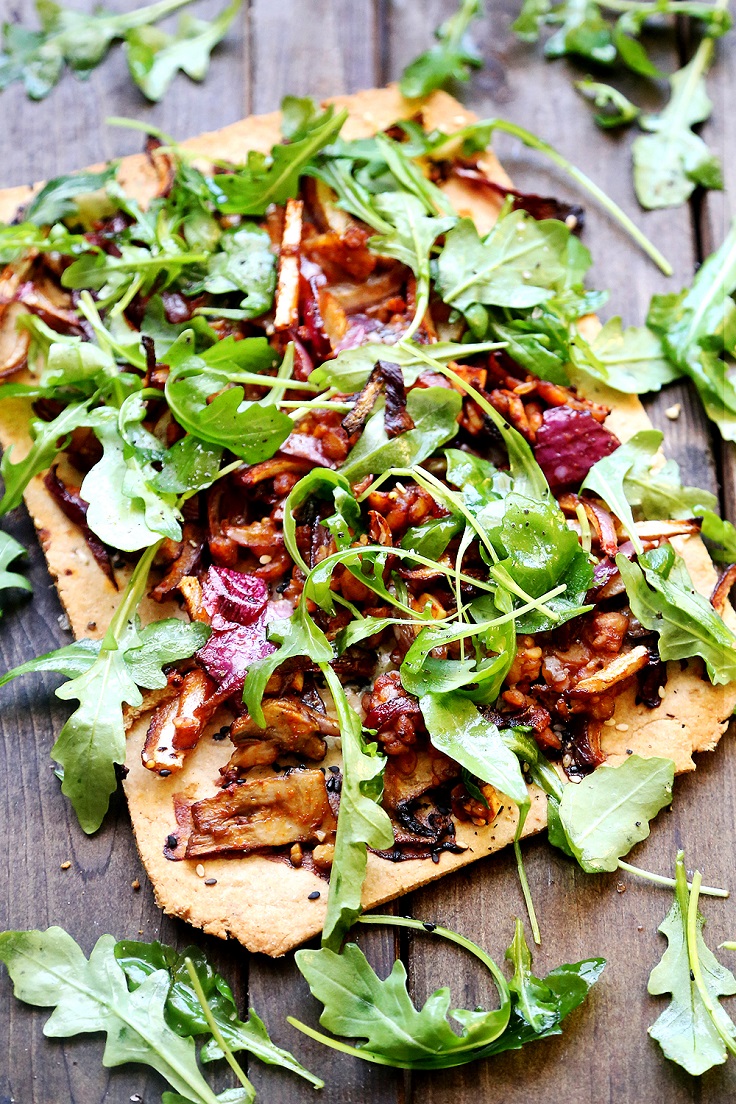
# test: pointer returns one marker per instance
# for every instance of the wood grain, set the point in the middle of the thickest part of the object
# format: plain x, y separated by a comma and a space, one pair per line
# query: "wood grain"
322, 47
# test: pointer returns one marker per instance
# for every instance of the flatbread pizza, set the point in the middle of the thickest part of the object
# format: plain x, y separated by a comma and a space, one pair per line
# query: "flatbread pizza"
238, 817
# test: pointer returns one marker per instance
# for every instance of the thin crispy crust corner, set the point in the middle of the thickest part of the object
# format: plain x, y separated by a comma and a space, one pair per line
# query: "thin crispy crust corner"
262, 902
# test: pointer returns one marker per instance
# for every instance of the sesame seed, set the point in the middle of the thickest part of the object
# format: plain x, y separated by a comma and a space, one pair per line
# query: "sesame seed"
622, 728
673, 412
314, 895
65, 865
164, 773
135, 884
265, 559
199, 870
661, 691
610, 723
171, 841
210, 881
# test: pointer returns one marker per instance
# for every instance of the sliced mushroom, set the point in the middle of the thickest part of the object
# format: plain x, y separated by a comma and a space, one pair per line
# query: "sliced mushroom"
287, 291
177, 726
663, 530
292, 728
622, 667
262, 813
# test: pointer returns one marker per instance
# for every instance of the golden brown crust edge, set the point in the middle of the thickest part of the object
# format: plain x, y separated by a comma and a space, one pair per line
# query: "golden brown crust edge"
261, 902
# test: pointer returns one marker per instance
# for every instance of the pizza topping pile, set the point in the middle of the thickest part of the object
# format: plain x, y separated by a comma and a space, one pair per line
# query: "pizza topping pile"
347, 433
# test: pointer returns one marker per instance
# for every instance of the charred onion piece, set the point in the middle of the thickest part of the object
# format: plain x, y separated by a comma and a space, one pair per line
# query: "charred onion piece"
722, 589
176, 727
386, 378
261, 813
73, 506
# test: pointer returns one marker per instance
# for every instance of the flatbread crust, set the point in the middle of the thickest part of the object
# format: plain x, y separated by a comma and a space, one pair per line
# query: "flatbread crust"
264, 902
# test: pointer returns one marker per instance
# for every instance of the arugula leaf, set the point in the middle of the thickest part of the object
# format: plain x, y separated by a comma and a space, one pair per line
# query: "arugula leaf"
434, 411
10, 549
252, 430
124, 510
630, 360
694, 1030
350, 369
670, 160
49, 438
245, 263
520, 263
658, 492
450, 59
62, 197
698, 326
189, 465
297, 636
71, 660
183, 1011
662, 598
583, 32
49, 969
606, 477
615, 109
362, 822
357, 1003
723, 535
263, 181
457, 728
76, 39
155, 57
609, 811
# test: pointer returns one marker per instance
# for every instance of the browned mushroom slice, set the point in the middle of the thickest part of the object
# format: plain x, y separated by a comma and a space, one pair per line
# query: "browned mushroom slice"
177, 726
430, 769
292, 728
287, 290
262, 813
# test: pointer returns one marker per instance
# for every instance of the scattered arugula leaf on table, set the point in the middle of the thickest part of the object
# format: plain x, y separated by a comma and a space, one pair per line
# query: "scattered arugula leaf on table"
694, 1030
155, 57
77, 39
451, 58
10, 550
359, 1005
614, 109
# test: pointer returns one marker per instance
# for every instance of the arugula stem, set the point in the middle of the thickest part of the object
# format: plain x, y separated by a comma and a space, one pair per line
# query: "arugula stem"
694, 10
216, 1033
521, 873
131, 598
691, 933
344, 1048
151, 14
670, 883
533, 142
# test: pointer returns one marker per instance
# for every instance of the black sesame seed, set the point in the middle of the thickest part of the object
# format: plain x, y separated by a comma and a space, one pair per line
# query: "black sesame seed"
335, 769
314, 895
210, 881
428, 926
164, 773
223, 733
171, 842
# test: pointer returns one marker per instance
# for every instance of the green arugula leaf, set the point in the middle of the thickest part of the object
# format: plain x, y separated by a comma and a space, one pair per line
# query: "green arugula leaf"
155, 57
583, 32
606, 477
631, 360
358, 1004
698, 326
450, 59
662, 598
245, 262
694, 1030
189, 465
656, 489
671, 160
263, 181
528, 22
350, 369
362, 822
457, 728
615, 110
76, 39
434, 411
297, 636
124, 510
609, 811
88, 995
64, 197
10, 549
71, 660
723, 535
49, 439
183, 1011
520, 263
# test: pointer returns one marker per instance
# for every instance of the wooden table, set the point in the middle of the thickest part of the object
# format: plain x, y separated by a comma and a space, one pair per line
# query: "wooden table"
322, 47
